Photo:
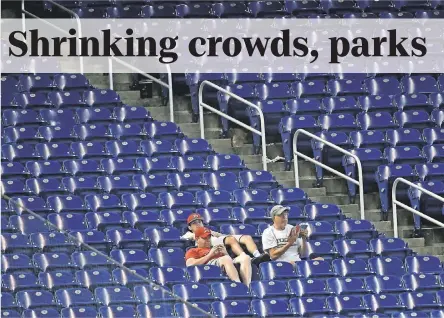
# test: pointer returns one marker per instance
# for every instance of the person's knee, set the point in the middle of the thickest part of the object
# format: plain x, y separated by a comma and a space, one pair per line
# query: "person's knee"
246, 238
245, 259
225, 260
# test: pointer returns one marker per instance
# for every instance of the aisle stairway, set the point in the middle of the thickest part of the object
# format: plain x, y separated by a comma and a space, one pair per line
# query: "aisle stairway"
334, 189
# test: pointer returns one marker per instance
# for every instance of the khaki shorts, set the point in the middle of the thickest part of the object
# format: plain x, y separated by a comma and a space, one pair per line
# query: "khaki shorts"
221, 240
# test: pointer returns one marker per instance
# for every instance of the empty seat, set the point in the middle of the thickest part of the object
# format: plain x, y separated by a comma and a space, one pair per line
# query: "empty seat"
270, 307
231, 308
74, 297
92, 238
68, 221
391, 247
114, 296
89, 150
27, 118
346, 304
386, 266
353, 248
418, 119
165, 237
403, 155
97, 115
21, 205
230, 290
193, 292
227, 181
323, 212
368, 138
376, 103
189, 164
83, 168
52, 242
277, 270
195, 147
101, 98
13, 170
142, 220
55, 280
21, 153
20, 281
128, 149
421, 282
115, 311
92, 132
45, 187
103, 203
310, 269
387, 85
87, 260
404, 137
423, 264
155, 166
168, 275
52, 169
16, 262
386, 303
190, 182
307, 306
72, 312
356, 229
92, 279
127, 238
21, 135
417, 84
257, 180
35, 299
419, 300
385, 284
347, 286
173, 200
128, 278
116, 184
377, 120
216, 216
412, 102
351, 267
127, 131
144, 201
52, 261
167, 256
132, 114
158, 148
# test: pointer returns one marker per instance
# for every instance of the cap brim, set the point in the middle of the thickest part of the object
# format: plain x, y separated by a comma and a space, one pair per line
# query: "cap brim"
194, 220
205, 235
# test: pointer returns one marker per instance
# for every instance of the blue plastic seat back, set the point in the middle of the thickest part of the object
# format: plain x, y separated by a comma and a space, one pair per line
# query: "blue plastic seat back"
387, 266
167, 256
270, 307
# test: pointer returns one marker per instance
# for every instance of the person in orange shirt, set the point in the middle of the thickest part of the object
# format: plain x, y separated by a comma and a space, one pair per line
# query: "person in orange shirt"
218, 255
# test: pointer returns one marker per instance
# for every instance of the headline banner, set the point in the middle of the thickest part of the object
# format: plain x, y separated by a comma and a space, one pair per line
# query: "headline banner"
224, 45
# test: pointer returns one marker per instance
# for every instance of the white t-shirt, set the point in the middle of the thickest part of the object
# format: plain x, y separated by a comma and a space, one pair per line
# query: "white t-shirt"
272, 238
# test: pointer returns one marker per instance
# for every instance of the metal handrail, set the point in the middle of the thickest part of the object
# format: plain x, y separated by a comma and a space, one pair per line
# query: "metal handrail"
76, 17
168, 85
234, 120
358, 182
395, 203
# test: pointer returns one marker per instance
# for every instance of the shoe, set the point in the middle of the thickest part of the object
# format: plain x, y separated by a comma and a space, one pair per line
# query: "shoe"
260, 259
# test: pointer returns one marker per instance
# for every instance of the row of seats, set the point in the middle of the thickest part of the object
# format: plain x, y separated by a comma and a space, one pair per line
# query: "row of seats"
122, 166
44, 82
62, 99
92, 132
101, 150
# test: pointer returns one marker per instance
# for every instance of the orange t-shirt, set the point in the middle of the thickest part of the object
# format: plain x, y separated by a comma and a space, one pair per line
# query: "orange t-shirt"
199, 252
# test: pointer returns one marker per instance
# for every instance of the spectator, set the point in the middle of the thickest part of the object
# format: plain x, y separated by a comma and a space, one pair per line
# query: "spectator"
195, 221
283, 241
217, 255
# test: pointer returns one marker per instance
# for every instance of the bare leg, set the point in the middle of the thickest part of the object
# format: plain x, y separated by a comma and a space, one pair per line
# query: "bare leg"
245, 268
230, 269
234, 244
248, 241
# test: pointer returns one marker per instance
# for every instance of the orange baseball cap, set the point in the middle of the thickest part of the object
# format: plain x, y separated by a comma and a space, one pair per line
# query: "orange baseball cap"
202, 232
193, 217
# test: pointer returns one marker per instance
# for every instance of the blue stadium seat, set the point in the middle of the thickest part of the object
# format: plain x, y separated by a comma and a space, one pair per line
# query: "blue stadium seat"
346, 304
277, 270
309, 88
116, 311
165, 237
193, 292
270, 307
356, 229
127, 238
430, 172
68, 82
257, 180
368, 138
345, 87
92, 238
289, 196
418, 119
197, 10
225, 163
96, 116
83, 168
57, 280
81, 186
6, 226
14, 170
322, 230
128, 149
421, 282
386, 266
52, 261
89, 150
168, 275
251, 215
21, 153
74, 312
155, 166
156, 310
386, 303
434, 153
127, 132
52, 169
68, 221
119, 166
323, 212
66, 100
190, 182
376, 121
101, 98
152, 294
314, 249
15, 187
16, 263
52, 242
90, 260
117, 185
8, 302
269, 289
173, 200
240, 229
230, 291
21, 205
92, 132
35, 299
423, 264
144, 201
376, 103
417, 84
306, 106
44, 187
403, 155
390, 247
114, 296
437, 117
404, 137
163, 130
15, 282
45, 312
20, 135
157, 148
412, 102
216, 216
215, 198
11, 313
420, 200
418, 300
347, 286
308, 306
352, 248
74, 297
227, 181
167, 256
308, 287
231, 10
195, 147
189, 164
385, 85
22, 118
93, 278
205, 274
158, 11
103, 203
315, 269
127, 278
232, 308
142, 220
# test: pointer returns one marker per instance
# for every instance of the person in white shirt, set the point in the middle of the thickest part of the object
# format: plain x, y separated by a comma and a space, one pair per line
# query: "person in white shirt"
283, 241
195, 221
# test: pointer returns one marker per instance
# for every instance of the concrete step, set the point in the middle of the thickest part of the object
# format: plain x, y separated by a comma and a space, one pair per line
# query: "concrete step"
311, 192
220, 143
415, 241
192, 130
441, 257
383, 226
429, 250
342, 199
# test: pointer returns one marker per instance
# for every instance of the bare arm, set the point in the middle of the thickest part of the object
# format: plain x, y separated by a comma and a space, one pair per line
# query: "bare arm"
198, 261
216, 234
277, 252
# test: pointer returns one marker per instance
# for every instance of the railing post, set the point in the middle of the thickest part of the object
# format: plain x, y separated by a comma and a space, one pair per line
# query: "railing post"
261, 133
296, 153
110, 74
395, 203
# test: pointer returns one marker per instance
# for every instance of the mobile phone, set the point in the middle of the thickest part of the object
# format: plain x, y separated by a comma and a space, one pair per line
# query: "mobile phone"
304, 226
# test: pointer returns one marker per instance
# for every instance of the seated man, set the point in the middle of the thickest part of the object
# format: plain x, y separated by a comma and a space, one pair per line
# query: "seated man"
281, 240
217, 255
195, 221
